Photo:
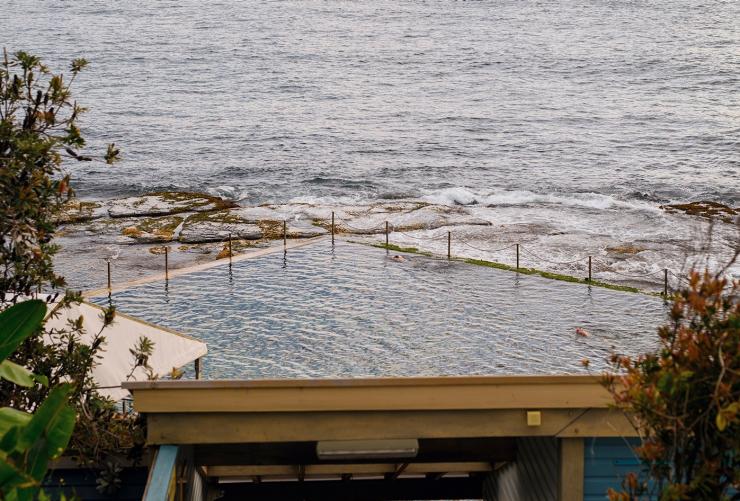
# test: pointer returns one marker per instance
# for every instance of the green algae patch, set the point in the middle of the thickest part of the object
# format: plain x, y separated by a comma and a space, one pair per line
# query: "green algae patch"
153, 229
407, 250
271, 229
524, 271
77, 211
554, 276
223, 216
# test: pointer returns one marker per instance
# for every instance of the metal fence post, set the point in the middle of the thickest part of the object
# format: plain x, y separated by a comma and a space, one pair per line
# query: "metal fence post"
386, 233
109, 287
449, 245
285, 233
166, 263
332, 227
665, 282
589, 268
517, 256
229, 247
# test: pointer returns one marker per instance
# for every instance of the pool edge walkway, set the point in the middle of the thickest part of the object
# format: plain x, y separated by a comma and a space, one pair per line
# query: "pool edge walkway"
102, 291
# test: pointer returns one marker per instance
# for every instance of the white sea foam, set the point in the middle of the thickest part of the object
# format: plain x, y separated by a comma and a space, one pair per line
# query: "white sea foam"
465, 196
556, 232
229, 192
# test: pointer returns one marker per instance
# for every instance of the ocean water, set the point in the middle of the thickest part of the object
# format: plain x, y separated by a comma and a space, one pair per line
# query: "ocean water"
566, 124
270, 100
311, 313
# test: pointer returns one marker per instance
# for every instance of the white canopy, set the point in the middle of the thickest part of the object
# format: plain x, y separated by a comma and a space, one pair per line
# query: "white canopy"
171, 349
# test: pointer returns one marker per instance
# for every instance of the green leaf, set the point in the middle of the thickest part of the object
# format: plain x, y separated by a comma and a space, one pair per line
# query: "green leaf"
9, 441
53, 420
41, 379
59, 435
10, 418
16, 374
12, 480
18, 322
9, 478
52, 445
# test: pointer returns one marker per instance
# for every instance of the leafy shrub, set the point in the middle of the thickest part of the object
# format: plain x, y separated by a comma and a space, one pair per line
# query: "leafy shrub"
685, 398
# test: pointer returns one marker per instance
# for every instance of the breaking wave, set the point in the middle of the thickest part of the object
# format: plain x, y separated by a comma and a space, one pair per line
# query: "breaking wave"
464, 196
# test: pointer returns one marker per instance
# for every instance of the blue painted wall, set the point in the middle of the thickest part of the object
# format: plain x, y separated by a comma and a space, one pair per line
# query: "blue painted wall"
606, 462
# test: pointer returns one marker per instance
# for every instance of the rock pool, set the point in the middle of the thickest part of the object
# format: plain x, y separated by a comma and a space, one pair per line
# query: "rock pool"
354, 310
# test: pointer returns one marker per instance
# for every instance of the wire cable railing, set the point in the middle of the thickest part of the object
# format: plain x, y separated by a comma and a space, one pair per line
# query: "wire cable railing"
338, 226
492, 251
530, 253
584, 261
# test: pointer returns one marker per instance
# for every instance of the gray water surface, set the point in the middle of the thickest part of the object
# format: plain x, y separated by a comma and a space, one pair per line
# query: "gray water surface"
354, 311
266, 101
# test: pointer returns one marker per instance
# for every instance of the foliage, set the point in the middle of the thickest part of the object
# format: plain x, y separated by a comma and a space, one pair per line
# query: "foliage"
29, 441
38, 128
685, 398
141, 352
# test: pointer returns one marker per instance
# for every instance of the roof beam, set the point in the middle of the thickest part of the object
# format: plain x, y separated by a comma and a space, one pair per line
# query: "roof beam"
264, 427
290, 453
342, 470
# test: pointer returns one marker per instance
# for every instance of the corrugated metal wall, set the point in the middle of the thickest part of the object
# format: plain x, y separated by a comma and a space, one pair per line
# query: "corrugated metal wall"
534, 476
197, 487
606, 462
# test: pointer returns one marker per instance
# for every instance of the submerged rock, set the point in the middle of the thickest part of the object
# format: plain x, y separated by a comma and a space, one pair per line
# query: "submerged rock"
705, 209
422, 218
166, 203
624, 250
305, 230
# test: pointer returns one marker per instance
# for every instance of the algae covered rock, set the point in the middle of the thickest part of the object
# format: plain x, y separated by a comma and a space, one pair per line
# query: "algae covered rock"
706, 209
152, 230
78, 211
166, 203
216, 227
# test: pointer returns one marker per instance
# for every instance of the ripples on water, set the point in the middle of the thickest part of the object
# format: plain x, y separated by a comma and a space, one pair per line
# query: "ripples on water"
268, 101
354, 312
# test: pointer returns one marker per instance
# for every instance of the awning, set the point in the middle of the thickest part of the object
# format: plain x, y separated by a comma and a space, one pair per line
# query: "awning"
171, 349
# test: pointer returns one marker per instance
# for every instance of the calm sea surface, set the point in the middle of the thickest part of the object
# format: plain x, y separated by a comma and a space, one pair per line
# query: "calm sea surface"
269, 101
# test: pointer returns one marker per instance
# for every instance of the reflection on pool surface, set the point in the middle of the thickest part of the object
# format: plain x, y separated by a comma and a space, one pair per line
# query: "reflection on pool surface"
356, 311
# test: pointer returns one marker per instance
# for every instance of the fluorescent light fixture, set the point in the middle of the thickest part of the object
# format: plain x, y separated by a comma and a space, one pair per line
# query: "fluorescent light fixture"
367, 449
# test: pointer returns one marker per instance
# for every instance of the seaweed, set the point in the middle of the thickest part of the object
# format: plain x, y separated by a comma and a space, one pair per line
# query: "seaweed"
524, 271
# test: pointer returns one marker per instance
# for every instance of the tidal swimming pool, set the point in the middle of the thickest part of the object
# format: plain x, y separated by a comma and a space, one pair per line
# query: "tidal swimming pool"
354, 310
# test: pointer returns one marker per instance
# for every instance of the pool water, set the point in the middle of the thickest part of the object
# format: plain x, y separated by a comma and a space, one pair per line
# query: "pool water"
353, 310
